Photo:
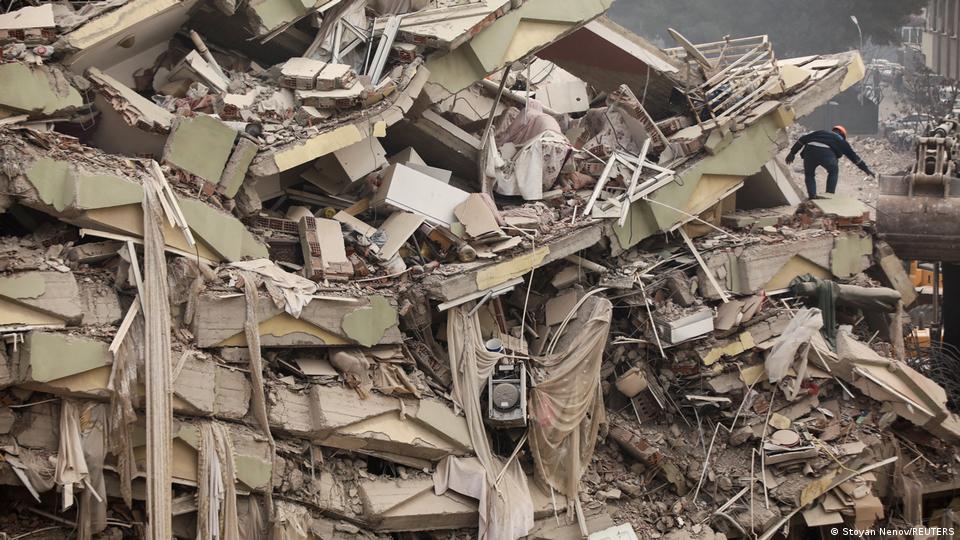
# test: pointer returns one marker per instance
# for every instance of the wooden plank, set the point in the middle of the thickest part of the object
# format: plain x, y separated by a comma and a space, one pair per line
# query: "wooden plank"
125, 325
601, 182
135, 267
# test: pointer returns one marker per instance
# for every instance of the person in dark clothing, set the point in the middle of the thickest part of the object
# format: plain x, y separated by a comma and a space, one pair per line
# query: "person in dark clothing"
823, 149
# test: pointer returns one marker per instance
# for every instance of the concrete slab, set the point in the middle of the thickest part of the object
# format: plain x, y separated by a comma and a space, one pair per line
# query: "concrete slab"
411, 432
103, 41
135, 109
220, 323
48, 356
845, 207
200, 145
39, 296
393, 505
484, 276
768, 266
522, 30
37, 90
851, 254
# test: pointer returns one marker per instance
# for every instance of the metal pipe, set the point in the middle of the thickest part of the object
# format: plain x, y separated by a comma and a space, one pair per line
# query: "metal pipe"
935, 335
206, 54
485, 140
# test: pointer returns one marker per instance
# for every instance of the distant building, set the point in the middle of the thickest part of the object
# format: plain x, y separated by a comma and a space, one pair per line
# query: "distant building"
911, 33
941, 43
910, 53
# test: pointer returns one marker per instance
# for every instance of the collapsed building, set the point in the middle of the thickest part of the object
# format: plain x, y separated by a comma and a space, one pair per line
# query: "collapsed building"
455, 269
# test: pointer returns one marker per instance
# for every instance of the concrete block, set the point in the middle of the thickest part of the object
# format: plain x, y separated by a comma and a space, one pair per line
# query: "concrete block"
565, 97
308, 74
236, 167
7, 418
38, 426
206, 388
406, 189
93, 252
406, 156
442, 175
100, 303
200, 145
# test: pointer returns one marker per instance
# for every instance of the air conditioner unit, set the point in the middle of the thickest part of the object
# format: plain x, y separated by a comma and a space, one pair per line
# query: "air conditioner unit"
507, 395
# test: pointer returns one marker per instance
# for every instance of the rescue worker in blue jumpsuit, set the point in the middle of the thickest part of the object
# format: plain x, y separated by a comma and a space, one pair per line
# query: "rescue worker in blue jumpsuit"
823, 149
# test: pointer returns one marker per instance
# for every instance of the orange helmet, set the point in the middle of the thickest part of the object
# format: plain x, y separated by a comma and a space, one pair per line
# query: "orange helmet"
841, 130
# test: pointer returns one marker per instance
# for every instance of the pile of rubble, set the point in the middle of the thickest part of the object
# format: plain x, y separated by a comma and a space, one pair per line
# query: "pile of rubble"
455, 269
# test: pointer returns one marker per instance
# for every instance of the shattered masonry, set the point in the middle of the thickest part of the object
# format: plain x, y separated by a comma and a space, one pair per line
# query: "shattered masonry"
476, 269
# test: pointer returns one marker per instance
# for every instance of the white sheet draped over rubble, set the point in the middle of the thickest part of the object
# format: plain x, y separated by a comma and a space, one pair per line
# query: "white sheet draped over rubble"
541, 149
805, 323
79, 465
469, 477
216, 485
506, 513
287, 290
258, 399
567, 407
566, 402
93, 500
71, 466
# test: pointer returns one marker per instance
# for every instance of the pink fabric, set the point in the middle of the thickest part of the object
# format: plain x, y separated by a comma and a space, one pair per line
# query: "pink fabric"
519, 127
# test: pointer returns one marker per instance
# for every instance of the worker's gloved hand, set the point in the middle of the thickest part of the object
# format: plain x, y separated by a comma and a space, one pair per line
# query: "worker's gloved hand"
789, 159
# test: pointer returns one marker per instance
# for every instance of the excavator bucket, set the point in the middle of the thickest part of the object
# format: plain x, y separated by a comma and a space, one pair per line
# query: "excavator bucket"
919, 216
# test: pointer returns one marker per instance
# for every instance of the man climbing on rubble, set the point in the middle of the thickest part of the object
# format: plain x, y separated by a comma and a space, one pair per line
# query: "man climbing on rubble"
823, 148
